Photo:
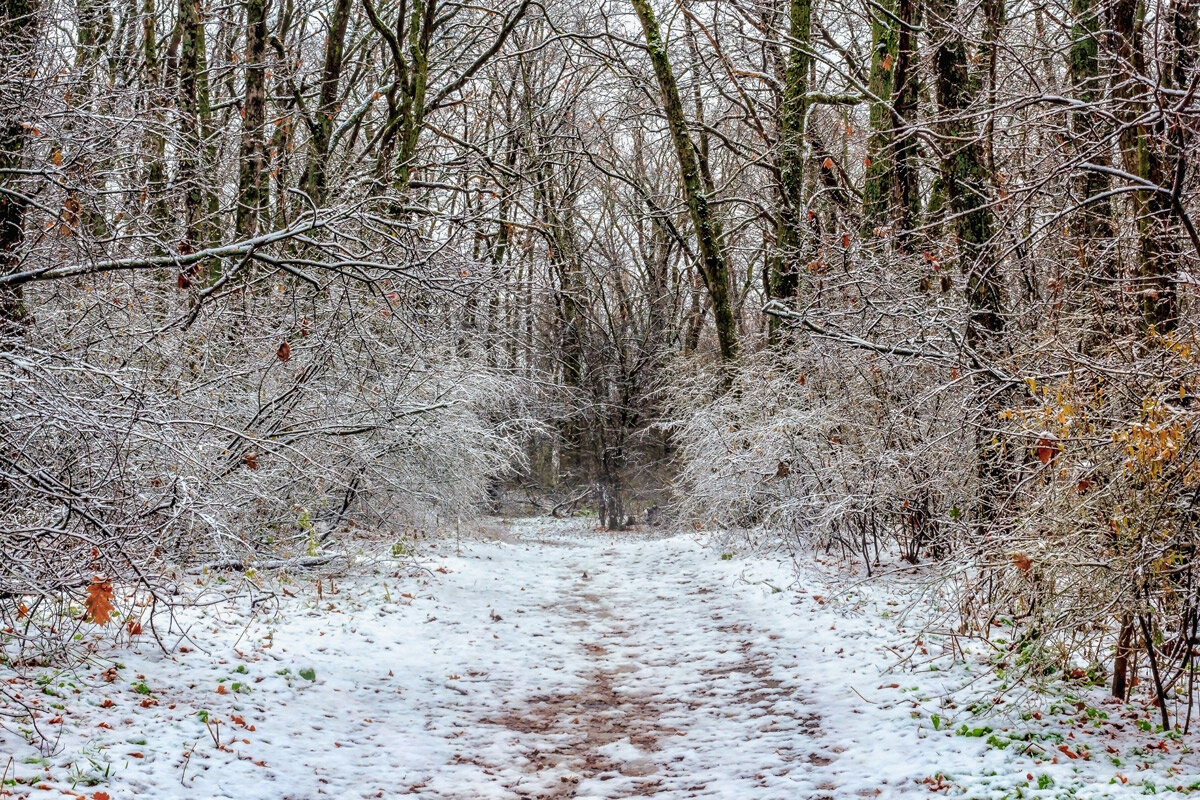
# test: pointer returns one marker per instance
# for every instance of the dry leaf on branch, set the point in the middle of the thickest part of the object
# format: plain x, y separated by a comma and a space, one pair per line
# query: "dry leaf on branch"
1046, 448
99, 599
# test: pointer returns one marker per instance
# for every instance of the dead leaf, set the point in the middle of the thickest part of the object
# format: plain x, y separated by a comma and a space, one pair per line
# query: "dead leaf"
250, 460
284, 352
99, 600
1046, 448
70, 214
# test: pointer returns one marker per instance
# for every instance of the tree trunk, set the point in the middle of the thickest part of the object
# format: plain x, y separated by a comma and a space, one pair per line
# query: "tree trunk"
1120, 679
315, 179
713, 266
783, 281
907, 185
18, 37
251, 184
195, 121
879, 168
156, 143
1153, 152
966, 184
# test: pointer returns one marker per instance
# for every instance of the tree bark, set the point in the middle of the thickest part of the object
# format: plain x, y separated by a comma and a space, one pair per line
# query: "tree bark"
251, 185
713, 267
879, 168
19, 27
315, 181
195, 119
783, 282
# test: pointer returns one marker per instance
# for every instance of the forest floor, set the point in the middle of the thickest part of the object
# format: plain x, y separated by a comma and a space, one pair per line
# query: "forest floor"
541, 659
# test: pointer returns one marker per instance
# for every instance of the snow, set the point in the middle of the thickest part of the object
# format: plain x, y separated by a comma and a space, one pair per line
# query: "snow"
550, 660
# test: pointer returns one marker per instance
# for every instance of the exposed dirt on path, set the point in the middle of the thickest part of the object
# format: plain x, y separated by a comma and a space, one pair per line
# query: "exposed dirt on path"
626, 726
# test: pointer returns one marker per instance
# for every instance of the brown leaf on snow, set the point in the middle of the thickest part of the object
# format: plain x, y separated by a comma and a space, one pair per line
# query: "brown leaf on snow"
1067, 751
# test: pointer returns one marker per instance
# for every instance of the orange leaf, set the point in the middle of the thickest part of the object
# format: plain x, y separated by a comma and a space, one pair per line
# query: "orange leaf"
22, 611
887, 62
101, 796
99, 600
845, 240
284, 352
56, 158
1046, 448
1022, 561
135, 627
221, 689
828, 163
867, 161
70, 214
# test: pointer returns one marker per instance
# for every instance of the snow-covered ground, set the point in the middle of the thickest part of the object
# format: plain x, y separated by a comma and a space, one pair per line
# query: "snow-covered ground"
548, 660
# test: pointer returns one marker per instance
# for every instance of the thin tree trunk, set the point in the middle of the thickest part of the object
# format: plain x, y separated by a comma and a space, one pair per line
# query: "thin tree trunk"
251, 184
315, 181
783, 281
713, 267
195, 128
907, 186
879, 168
1120, 681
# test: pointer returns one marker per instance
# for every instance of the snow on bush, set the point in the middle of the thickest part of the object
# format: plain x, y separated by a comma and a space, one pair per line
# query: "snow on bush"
830, 445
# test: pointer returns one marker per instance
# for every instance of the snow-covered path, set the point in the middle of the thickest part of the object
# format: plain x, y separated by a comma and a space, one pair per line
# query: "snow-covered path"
547, 660
626, 668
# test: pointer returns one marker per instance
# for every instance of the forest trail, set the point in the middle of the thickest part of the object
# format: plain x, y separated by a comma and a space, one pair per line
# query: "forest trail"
545, 659
657, 681
542, 659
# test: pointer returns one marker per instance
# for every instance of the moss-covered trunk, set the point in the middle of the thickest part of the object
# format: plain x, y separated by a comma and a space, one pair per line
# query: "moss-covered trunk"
783, 280
713, 267
315, 181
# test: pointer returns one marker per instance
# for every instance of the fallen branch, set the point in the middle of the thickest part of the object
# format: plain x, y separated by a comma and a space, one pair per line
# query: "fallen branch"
571, 502
281, 563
